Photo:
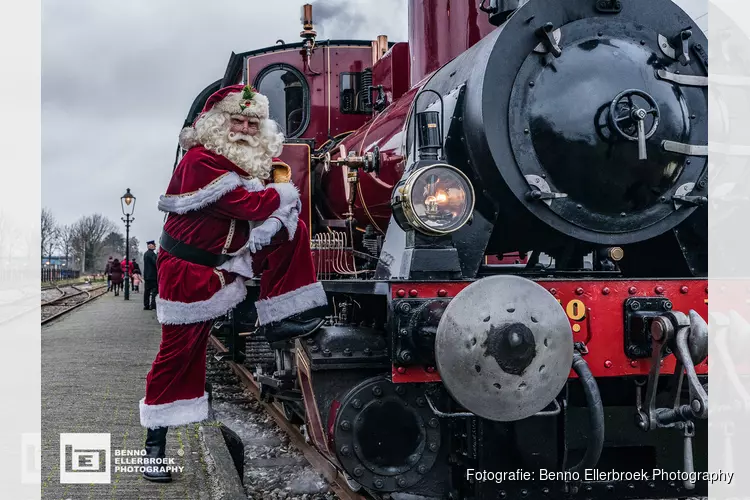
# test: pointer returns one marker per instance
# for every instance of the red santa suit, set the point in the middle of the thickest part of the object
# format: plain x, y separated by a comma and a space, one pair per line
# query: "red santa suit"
213, 205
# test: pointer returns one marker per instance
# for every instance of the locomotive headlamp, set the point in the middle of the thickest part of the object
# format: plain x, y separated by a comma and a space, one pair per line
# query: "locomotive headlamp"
435, 200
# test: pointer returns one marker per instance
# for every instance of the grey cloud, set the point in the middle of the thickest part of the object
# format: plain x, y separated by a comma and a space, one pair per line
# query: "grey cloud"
118, 78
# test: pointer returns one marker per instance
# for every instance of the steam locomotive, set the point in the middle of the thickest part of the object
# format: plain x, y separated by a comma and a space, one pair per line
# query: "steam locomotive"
508, 213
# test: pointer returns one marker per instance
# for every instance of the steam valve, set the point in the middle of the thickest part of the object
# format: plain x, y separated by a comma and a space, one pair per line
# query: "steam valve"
369, 162
624, 113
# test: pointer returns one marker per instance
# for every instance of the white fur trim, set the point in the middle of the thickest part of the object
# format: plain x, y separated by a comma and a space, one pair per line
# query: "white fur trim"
180, 412
287, 211
231, 104
288, 193
208, 194
242, 260
182, 313
241, 263
289, 218
294, 302
252, 185
188, 138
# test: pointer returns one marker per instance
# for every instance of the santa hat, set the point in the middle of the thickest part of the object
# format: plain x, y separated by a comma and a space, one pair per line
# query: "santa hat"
235, 100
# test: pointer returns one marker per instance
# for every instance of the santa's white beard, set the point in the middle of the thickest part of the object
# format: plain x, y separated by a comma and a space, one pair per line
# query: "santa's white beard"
254, 156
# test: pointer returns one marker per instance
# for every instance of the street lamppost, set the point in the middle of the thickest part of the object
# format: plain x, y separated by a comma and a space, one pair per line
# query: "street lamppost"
128, 207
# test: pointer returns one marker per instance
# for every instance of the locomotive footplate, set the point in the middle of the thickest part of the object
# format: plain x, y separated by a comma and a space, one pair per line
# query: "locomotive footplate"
602, 314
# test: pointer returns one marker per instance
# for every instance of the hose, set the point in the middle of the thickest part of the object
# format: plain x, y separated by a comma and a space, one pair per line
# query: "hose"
596, 415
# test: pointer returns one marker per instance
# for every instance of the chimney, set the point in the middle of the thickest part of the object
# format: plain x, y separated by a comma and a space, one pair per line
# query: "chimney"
382, 45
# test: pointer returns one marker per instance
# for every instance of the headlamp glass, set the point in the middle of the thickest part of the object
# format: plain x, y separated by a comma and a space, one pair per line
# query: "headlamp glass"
440, 199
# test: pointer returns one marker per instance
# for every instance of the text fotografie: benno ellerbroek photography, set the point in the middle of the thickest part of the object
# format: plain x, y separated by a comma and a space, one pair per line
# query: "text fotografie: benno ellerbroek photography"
598, 475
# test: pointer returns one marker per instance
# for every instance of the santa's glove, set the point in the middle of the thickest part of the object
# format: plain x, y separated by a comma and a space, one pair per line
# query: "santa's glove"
261, 235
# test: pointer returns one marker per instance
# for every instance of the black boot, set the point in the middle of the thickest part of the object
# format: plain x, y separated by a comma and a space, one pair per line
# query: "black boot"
291, 327
156, 446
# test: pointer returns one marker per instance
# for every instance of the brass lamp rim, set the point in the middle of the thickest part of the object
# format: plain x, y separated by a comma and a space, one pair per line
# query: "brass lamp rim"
405, 193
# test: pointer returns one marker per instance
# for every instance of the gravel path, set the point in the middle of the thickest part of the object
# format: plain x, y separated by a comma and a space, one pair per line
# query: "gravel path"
274, 469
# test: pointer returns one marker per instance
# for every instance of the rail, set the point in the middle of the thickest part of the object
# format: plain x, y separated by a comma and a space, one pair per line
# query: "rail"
335, 479
68, 302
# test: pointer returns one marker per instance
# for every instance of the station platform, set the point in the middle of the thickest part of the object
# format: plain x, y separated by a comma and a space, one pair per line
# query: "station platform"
94, 365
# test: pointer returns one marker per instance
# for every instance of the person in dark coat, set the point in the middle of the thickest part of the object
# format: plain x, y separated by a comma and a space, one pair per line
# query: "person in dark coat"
149, 277
116, 275
107, 272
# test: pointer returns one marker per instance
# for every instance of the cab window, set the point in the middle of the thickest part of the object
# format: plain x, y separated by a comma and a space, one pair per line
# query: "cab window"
288, 97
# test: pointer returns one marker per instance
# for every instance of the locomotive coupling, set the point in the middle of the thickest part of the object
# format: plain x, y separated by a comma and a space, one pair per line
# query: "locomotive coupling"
687, 336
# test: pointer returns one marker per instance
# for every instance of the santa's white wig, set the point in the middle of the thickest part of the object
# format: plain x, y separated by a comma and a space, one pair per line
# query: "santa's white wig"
255, 156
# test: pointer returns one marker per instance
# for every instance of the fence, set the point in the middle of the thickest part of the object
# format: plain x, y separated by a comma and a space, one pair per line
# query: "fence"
55, 274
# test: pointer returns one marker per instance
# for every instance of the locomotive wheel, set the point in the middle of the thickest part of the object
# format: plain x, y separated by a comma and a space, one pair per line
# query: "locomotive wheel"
385, 435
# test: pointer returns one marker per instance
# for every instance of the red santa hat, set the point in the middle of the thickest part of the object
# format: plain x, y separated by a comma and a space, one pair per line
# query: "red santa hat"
235, 100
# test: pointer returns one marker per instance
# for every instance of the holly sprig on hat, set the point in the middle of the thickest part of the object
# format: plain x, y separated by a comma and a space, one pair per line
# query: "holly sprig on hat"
248, 93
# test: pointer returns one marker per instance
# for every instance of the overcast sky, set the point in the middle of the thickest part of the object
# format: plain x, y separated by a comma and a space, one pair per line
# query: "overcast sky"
118, 78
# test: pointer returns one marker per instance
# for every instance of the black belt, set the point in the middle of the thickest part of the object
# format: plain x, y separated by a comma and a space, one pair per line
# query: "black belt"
190, 253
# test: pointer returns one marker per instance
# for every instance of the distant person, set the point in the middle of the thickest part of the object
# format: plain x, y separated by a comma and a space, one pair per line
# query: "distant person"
126, 265
137, 278
116, 276
136, 269
133, 268
149, 277
107, 272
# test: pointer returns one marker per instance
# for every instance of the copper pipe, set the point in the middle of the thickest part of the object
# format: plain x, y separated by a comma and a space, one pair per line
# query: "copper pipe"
382, 45
374, 51
307, 19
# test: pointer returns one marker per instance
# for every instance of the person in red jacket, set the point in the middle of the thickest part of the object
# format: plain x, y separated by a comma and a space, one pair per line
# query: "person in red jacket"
226, 223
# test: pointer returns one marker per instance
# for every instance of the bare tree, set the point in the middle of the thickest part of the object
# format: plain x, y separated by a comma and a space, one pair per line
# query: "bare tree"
88, 238
114, 246
65, 242
134, 250
49, 232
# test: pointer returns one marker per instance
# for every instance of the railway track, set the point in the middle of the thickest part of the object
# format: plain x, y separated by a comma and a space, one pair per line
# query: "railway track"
68, 300
336, 481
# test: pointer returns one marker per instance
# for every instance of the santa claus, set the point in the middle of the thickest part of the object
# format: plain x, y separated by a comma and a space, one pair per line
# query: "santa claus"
233, 214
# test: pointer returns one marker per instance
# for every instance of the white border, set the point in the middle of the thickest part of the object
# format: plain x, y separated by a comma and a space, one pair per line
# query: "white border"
729, 240
20, 210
